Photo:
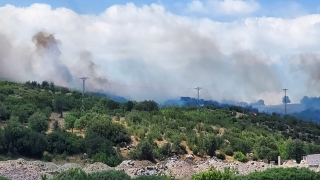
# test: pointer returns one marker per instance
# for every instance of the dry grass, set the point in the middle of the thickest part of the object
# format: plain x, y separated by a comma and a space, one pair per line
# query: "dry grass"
3, 124
161, 143
56, 117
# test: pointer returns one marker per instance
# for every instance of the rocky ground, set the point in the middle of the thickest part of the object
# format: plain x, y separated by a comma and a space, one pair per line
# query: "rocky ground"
181, 169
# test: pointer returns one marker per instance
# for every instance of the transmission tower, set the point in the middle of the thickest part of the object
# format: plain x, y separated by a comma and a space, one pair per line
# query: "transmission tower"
285, 101
83, 89
198, 89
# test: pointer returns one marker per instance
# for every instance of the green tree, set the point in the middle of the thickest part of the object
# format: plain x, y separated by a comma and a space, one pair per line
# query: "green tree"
144, 151
104, 127
4, 113
59, 104
38, 122
32, 144
12, 133
267, 149
70, 122
296, 150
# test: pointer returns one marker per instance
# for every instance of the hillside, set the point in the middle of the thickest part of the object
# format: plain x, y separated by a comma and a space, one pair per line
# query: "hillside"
141, 130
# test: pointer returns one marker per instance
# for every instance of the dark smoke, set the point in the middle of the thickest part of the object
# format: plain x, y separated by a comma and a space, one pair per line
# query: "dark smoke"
48, 51
46, 43
97, 82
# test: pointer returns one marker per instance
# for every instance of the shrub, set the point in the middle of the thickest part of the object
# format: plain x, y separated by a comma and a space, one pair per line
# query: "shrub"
214, 175
113, 160
73, 174
38, 122
221, 156
144, 151
3, 178
283, 174
229, 151
153, 178
47, 158
33, 144
62, 141
240, 157
110, 175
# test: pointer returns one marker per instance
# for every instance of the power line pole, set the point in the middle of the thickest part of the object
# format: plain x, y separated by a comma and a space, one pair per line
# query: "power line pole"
83, 89
285, 100
198, 89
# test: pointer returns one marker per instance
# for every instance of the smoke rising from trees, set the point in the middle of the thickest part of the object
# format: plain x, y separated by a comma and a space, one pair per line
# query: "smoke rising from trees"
149, 53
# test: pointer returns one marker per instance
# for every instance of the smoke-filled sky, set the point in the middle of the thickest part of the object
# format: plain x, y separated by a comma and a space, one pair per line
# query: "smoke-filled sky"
233, 49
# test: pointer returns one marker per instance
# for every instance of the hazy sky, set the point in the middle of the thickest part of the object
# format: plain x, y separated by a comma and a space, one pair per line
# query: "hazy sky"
243, 50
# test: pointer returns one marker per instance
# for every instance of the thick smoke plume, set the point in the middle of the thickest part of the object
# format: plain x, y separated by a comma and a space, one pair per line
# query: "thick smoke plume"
149, 53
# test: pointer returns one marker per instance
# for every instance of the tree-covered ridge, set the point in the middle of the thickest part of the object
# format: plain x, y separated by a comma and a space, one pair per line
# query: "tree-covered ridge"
161, 132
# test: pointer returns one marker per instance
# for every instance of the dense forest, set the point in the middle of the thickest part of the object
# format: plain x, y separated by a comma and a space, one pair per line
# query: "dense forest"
110, 126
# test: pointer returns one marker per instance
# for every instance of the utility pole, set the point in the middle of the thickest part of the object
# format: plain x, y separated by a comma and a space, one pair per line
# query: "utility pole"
198, 89
285, 101
83, 89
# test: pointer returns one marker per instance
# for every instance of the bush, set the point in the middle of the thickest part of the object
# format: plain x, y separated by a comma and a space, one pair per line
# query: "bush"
283, 174
114, 132
214, 175
144, 151
38, 122
110, 175
153, 178
3, 178
33, 144
240, 157
221, 156
62, 141
111, 160
72, 174
47, 158
229, 151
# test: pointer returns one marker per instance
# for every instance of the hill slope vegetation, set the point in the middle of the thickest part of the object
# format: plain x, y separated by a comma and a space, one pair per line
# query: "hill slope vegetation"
115, 131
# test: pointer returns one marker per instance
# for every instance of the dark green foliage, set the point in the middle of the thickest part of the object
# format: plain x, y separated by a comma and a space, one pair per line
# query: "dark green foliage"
282, 174
267, 149
146, 106
153, 178
296, 149
73, 174
114, 132
214, 175
239, 156
32, 144
47, 158
221, 156
229, 151
59, 103
111, 160
70, 121
38, 122
3, 178
63, 141
101, 150
110, 175
205, 131
144, 151
13, 132
4, 112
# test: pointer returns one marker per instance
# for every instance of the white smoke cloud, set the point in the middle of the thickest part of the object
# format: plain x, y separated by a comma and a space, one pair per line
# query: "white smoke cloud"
149, 53
224, 7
